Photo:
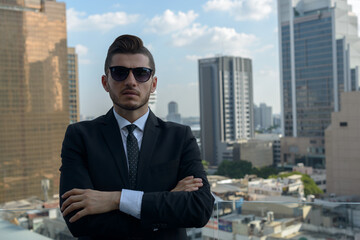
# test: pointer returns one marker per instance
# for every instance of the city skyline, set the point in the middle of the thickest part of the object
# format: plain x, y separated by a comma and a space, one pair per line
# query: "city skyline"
177, 33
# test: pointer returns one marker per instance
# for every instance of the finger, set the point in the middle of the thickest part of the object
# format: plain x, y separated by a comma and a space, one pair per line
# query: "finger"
74, 191
70, 200
78, 215
73, 207
197, 180
186, 179
191, 189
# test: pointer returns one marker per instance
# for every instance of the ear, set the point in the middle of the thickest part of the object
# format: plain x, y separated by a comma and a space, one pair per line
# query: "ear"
153, 84
104, 82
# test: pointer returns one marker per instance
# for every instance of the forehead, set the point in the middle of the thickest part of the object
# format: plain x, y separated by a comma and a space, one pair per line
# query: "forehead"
129, 60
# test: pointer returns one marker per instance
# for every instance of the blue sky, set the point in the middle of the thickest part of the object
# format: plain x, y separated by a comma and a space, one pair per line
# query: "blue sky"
177, 33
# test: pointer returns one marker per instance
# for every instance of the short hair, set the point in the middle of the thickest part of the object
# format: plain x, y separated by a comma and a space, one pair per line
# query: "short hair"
128, 44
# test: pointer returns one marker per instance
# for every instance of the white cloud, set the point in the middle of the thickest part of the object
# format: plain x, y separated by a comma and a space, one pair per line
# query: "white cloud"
241, 10
81, 49
215, 40
82, 52
80, 21
356, 9
170, 21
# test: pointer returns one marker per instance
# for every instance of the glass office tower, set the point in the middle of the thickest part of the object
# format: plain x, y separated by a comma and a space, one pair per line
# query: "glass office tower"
319, 59
34, 103
319, 54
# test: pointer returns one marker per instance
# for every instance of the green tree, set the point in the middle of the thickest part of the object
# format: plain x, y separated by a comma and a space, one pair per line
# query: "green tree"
205, 164
310, 186
234, 169
265, 172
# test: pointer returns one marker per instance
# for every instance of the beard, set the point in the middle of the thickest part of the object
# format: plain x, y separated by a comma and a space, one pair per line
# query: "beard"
130, 106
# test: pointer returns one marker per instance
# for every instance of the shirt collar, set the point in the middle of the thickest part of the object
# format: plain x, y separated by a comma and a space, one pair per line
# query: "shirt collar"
140, 122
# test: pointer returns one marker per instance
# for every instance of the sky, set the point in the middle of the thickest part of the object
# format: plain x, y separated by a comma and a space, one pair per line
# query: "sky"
177, 33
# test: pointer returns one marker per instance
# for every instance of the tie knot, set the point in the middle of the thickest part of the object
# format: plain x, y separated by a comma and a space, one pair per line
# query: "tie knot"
131, 127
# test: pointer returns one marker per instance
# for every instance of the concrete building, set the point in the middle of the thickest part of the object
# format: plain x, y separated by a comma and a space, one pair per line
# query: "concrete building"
34, 96
276, 145
262, 188
226, 103
309, 151
173, 112
342, 147
319, 58
152, 101
262, 117
73, 73
258, 152
318, 175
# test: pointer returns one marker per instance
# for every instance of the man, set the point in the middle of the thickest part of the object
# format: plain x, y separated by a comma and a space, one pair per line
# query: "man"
128, 174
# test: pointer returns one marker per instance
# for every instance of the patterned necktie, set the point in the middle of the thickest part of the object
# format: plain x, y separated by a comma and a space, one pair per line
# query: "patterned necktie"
133, 154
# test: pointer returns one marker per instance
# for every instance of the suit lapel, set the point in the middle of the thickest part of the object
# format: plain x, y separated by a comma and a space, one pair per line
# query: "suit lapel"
151, 133
111, 133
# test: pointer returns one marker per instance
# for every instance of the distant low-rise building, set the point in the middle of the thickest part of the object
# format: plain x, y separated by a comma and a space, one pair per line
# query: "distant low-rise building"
260, 188
258, 152
276, 145
309, 151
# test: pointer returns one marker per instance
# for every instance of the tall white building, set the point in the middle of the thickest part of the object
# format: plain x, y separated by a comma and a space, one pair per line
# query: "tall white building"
152, 101
226, 103
262, 116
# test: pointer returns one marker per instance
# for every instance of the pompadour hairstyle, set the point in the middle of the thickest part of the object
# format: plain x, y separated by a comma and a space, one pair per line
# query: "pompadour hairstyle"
128, 44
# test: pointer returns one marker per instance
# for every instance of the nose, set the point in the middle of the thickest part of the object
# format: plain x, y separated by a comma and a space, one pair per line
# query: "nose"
130, 80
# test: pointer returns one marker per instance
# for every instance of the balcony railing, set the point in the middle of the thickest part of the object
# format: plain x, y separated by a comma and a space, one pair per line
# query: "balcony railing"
238, 219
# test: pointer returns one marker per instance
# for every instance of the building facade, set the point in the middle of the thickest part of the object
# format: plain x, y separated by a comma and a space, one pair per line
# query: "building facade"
226, 103
319, 58
342, 139
34, 96
152, 101
73, 74
262, 116
173, 112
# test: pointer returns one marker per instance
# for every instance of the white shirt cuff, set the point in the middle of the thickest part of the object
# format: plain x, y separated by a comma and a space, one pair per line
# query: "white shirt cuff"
130, 202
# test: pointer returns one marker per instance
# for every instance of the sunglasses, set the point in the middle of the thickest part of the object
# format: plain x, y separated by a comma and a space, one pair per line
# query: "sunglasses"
120, 73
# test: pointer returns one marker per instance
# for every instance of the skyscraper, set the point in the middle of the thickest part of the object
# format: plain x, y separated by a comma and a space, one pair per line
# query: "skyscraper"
73, 74
319, 59
34, 101
173, 112
226, 103
262, 116
152, 101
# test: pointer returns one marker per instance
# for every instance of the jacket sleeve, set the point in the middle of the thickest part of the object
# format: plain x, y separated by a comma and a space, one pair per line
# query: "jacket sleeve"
180, 209
75, 174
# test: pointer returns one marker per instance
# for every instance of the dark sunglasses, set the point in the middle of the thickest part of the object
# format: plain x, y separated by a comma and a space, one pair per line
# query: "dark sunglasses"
120, 73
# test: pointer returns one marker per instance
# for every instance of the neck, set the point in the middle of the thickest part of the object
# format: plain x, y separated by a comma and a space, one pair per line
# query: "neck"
131, 115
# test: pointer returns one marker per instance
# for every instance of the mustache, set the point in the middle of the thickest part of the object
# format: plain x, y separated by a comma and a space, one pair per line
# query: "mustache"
131, 89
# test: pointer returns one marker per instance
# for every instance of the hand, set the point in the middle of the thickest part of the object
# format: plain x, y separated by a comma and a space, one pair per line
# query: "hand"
90, 201
188, 184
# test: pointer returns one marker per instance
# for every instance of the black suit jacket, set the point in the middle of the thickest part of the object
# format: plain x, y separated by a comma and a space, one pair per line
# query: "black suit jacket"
93, 157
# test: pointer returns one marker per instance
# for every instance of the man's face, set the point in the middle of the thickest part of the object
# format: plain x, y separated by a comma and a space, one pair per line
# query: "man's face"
129, 94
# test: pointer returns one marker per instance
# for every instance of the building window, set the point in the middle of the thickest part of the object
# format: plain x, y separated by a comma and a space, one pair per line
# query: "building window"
343, 124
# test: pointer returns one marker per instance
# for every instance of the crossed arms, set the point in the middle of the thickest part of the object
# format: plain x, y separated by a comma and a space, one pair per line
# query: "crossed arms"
90, 210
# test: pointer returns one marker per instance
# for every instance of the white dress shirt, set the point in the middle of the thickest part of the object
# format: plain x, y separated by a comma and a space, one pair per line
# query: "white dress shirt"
130, 200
